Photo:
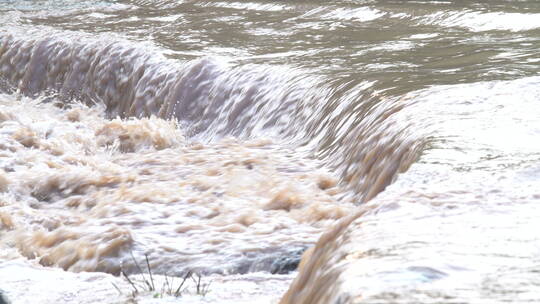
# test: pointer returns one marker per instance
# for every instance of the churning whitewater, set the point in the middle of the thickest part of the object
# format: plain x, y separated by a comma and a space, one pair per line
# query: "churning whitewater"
299, 152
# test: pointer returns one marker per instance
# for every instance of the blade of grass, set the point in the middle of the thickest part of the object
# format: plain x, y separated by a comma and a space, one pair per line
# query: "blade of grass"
119, 291
140, 271
197, 282
206, 289
149, 272
130, 282
168, 285
177, 292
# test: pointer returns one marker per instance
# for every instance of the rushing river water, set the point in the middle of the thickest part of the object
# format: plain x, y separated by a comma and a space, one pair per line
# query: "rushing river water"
388, 147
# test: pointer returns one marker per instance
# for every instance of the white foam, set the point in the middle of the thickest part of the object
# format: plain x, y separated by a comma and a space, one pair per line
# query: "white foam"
480, 22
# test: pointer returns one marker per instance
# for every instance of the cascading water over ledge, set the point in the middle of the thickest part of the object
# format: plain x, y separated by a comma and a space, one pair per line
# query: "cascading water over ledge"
355, 130
386, 148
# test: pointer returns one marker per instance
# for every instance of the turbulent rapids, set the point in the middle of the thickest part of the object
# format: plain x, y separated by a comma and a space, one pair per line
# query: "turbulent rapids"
216, 100
291, 152
207, 102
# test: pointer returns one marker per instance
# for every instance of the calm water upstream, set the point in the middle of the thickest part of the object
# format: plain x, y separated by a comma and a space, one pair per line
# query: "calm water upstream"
292, 151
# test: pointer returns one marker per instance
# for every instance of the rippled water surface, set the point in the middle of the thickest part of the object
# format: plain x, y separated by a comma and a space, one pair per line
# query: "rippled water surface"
339, 151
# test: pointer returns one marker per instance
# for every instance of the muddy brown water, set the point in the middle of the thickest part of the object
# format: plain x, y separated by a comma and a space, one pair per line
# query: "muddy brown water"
396, 142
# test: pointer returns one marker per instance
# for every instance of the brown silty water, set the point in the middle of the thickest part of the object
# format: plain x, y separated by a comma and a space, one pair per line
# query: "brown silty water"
217, 176
396, 143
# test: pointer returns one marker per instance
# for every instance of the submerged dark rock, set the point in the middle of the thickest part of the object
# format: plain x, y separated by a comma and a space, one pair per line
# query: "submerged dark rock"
279, 261
286, 264
282, 262
3, 298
